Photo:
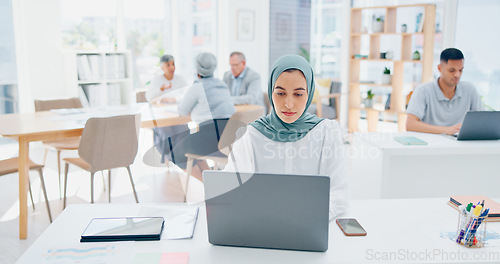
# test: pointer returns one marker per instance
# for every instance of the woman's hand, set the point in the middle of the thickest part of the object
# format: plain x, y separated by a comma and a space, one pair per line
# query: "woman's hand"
168, 100
165, 87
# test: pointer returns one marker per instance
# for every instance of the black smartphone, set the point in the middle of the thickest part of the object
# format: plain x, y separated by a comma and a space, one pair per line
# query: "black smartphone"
351, 227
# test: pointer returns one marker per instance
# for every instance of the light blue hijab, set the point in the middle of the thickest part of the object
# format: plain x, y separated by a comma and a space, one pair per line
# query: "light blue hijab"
271, 125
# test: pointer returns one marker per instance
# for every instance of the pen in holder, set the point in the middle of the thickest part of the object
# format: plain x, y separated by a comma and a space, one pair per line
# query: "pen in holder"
471, 230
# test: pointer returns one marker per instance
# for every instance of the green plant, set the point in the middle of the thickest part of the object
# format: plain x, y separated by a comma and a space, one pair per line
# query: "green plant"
488, 107
380, 19
387, 71
370, 95
304, 53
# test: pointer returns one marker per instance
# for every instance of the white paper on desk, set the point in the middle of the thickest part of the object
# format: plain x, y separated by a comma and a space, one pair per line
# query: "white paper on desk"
67, 111
83, 115
180, 221
171, 108
88, 253
177, 93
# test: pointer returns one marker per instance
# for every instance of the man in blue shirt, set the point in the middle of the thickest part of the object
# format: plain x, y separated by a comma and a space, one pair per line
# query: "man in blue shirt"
440, 106
243, 82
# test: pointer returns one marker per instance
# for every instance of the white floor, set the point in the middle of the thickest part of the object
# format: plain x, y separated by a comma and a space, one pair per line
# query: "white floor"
153, 184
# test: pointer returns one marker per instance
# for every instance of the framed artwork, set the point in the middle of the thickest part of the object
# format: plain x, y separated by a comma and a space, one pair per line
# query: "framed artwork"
245, 26
283, 26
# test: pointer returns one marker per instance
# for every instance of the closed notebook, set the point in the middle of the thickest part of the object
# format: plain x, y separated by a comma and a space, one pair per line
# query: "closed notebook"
123, 229
457, 200
410, 141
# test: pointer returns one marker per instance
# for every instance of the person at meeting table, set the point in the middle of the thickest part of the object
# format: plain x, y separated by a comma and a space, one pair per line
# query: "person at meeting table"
243, 82
166, 82
440, 106
206, 101
290, 140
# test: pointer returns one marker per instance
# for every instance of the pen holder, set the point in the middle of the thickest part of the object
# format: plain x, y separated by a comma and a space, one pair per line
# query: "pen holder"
471, 231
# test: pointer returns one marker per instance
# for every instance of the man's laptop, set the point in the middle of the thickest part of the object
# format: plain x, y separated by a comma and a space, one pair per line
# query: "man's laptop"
267, 210
480, 125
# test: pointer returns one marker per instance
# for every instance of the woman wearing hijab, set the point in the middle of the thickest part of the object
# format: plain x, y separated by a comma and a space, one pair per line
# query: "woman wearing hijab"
289, 140
168, 82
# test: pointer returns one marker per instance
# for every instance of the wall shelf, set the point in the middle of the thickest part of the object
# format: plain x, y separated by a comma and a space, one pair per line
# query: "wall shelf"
358, 38
99, 77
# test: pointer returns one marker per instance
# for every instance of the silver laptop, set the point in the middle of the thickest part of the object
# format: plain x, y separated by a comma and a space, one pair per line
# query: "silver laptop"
267, 210
480, 125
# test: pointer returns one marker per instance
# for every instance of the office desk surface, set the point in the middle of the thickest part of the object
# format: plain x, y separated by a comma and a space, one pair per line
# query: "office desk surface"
48, 122
441, 167
399, 231
437, 144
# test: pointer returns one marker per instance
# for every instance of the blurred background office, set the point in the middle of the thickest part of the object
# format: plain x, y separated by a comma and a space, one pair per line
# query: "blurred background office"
38, 39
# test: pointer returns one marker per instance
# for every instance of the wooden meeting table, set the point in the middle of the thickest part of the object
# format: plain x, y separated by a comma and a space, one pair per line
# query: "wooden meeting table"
47, 125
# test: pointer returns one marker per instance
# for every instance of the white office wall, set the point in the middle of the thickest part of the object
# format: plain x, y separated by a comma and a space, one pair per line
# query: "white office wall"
38, 51
257, 50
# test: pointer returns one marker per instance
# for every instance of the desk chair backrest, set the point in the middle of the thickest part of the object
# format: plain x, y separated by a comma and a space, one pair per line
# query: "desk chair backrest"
140, 97
267, 103
110, 142
237, 120
45, 105
335, 88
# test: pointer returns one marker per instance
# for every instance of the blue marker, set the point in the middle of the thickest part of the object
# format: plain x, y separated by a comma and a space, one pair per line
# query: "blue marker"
478, 223
475, 213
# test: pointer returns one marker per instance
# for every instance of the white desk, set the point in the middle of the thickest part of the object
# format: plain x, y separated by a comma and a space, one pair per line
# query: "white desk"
443, 167
412, 233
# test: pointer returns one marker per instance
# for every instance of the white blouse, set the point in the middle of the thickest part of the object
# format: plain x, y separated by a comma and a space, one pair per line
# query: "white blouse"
320, 152
175, 91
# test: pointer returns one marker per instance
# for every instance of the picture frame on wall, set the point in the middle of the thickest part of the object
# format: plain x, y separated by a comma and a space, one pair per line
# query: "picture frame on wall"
283, 26
245, 26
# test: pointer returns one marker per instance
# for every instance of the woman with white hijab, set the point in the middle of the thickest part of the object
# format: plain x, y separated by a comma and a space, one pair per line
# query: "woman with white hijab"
208, 103
291, 141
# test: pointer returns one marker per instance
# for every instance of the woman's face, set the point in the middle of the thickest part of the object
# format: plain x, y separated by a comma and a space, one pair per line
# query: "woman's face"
290, 95
168, 68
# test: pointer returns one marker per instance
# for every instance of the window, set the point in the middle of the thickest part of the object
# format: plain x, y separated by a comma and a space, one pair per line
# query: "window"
476, 38
88, 24
8, 70
290, 29
150, 28
325, 38
196, 33
147, 34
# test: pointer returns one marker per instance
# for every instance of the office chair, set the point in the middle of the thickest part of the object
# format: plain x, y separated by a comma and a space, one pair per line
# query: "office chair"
106, 143
267, 103
62, 144
9, 166
228, 137
331, 109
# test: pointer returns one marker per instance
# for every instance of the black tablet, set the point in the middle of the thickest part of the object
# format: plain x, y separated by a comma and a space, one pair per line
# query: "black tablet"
123, 229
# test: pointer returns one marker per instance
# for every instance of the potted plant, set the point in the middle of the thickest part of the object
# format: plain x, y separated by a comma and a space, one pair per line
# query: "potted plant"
404, 28
416, 55
386, 77
369, 99
378, 25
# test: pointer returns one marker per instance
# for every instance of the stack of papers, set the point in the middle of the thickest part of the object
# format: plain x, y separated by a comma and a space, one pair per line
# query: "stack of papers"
180, 221
494, 213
